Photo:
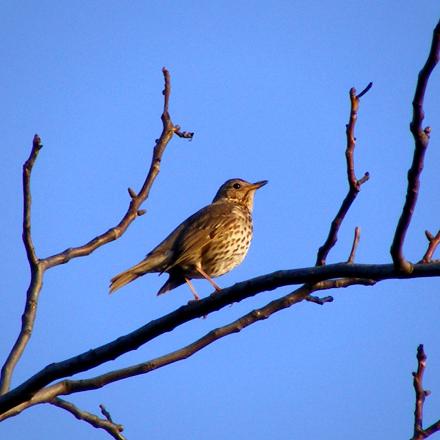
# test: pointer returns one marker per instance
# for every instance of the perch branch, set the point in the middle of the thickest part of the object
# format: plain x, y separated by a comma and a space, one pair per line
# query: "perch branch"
214, 302
107, 425
434, 241
168, 130
29, 313
369, 274
421, 139
66, 387
421, 394
353, 183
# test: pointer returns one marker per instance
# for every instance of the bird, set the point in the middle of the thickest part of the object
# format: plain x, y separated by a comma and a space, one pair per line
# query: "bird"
208, 244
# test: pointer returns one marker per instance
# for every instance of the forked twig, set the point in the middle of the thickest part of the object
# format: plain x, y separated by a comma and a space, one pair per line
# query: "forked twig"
106, 424
434, 241
353, 183
133, 211
421, 394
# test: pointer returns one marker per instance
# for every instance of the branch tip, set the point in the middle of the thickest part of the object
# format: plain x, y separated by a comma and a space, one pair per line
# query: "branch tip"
356, 238
370, 84
433, 242
36, 143
132, 193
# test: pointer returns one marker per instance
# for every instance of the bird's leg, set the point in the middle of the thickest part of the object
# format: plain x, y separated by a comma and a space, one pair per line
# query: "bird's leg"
208, 278
196, 297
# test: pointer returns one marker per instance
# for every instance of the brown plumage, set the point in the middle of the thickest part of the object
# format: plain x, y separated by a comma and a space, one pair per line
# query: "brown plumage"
208, 244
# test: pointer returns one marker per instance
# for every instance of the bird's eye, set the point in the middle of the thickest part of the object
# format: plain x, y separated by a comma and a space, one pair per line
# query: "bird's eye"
236, 186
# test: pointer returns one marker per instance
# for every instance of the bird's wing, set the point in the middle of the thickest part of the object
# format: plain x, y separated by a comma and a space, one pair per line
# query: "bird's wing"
198, 231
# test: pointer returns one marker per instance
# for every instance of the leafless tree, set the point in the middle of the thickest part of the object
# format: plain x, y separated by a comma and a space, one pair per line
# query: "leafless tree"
49, 384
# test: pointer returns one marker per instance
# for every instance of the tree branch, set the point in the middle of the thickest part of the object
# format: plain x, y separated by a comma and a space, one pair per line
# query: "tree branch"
38, 266
353, 183
421, 139
421, 394
318, 300
214, 302
434, 241
67, 387
168, 130
107, 425
27, 200
356, 238
29, 313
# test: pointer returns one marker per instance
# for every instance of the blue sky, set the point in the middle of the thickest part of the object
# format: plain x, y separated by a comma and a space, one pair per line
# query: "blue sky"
265, 89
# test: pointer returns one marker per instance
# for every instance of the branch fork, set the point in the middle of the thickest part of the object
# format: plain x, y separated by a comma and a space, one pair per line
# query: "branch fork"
353, 183
39, 266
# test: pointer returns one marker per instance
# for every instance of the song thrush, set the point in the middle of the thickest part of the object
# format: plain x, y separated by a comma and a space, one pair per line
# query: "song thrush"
208, 244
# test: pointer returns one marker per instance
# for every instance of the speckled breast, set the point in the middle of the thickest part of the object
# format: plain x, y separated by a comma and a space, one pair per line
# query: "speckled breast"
230, 244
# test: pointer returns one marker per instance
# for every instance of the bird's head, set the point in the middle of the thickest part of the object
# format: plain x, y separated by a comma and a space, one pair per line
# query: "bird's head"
239, 191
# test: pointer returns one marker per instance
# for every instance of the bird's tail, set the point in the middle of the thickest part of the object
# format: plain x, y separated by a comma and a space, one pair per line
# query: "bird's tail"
122, 279
129, 275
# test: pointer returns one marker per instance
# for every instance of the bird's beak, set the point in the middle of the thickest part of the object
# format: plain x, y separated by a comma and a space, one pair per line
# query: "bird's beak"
258, 185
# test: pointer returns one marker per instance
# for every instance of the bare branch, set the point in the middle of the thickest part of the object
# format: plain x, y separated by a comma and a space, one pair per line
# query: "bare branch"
66, 387
421, 394
183, 134
421, 139
357, 236
318, 300
38, 266
27, 200
28, 317
236, 293
359, 95
107, 425
105, 413
353, 183
434, 241
216, 301
168, 130
245, 289
435, 427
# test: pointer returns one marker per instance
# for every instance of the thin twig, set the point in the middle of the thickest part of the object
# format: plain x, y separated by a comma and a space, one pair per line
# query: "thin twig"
29, 313
353, 183
318, 300
434, 241
105, 413
27, 200
357, 236
110, 427
133, 211
421, 139
421, 394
